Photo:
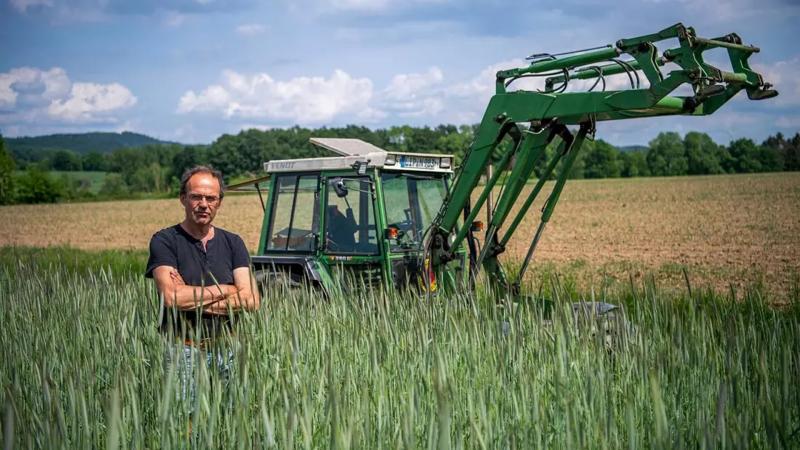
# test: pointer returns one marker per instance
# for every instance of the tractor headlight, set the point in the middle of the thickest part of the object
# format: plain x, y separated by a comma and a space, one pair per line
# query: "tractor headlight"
444, 163
390, 160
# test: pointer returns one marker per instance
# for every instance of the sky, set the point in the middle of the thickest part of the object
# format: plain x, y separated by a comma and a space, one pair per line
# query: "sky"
192, 70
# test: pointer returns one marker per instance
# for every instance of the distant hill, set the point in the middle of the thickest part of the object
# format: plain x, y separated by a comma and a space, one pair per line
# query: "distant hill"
81, 143
632, 148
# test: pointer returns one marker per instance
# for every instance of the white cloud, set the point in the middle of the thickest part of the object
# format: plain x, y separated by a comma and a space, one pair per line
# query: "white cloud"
25, 86
414, 94
173, 19
783, 76
371, 6
250, 29
87, 100
31, 98
467, 99
361, 5
429, 97
302, 100
405, 86
23, 5
482, 86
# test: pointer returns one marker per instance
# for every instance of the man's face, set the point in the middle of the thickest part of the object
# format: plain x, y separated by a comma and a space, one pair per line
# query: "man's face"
202, 198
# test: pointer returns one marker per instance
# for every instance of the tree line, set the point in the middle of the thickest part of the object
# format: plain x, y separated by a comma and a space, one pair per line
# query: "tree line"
154, 170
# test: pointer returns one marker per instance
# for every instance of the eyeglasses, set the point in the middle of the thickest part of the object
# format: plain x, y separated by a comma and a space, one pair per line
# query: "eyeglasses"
197, 198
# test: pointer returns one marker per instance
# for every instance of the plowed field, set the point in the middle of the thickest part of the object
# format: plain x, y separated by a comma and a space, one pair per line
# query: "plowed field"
725, 230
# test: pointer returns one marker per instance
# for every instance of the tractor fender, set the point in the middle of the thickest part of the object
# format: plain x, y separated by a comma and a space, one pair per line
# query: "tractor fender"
300, 269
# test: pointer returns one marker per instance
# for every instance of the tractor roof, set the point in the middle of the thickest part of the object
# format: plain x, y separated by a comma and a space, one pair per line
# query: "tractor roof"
346, 147
353, 151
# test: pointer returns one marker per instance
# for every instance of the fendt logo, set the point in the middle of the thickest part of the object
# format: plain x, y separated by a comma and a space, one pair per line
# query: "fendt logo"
283, 164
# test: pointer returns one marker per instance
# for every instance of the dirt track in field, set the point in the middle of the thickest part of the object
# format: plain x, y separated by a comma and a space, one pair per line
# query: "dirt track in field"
723, 229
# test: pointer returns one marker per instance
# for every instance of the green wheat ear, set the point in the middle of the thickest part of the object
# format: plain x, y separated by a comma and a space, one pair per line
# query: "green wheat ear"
82, 366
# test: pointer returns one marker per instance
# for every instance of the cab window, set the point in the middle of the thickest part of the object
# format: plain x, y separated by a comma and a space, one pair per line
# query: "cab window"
412, 202
294, 213
349, 217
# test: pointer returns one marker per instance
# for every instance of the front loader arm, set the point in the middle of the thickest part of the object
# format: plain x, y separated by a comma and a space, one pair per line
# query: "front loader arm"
533, 119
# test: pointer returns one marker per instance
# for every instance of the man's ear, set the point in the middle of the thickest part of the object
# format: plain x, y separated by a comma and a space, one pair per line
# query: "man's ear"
182, 199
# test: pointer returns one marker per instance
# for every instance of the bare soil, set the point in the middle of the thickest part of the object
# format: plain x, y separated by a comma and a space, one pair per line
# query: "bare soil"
731, 230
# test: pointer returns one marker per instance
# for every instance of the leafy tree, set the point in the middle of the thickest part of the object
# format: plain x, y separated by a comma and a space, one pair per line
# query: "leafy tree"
791, 158
634, 164
454, 141
114, 186
744, 154
578, 171
93, 162
188, 157
36, 186
703, 154
601, 160
542, 163
422, 140
65, 160
666, 156
771, 160
73, 188
132, 163
152, 178
6, 175
788, 150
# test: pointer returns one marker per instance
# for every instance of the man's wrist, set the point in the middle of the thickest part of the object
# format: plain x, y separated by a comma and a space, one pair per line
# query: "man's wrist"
213, 293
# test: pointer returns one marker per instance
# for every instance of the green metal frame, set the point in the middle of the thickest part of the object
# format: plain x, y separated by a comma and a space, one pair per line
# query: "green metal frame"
532, 120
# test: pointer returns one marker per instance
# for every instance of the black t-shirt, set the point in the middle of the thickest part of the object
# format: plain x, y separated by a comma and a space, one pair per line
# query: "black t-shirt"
175, 247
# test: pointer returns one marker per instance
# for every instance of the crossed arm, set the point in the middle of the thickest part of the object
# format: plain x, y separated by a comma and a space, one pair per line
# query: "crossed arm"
215, 299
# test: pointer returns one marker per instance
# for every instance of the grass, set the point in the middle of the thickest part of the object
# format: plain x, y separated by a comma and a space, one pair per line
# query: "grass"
92, 180
81, 263
82, 367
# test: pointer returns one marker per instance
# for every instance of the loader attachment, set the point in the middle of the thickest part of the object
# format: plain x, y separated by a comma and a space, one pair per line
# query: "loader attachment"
532, 120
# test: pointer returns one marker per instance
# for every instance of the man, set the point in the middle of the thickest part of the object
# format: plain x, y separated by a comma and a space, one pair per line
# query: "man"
341, 229
202, 273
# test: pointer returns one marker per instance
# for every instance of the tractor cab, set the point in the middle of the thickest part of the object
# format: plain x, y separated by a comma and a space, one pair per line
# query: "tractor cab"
356, 219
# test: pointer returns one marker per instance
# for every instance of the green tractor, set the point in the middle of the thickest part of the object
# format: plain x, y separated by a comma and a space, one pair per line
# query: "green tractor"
360, 218
410, 220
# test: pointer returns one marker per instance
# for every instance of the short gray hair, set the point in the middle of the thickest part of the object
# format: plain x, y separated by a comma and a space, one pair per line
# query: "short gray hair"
189, 173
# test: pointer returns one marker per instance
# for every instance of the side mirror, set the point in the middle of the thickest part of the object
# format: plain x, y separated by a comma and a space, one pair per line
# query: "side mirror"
339, 187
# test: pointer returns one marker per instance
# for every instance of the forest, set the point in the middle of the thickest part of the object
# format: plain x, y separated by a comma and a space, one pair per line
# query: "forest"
49, 174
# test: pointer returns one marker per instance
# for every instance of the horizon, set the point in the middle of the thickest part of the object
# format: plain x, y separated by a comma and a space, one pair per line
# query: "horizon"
163, 141
190, 71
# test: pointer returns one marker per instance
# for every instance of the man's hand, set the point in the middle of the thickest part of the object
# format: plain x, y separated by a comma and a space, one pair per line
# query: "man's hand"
243, 295
215, 299
179, 295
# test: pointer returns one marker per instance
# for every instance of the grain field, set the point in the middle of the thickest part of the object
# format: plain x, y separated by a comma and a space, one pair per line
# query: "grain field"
735, 229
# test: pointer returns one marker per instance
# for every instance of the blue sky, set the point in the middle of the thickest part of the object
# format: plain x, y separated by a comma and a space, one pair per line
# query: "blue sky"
191, 70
